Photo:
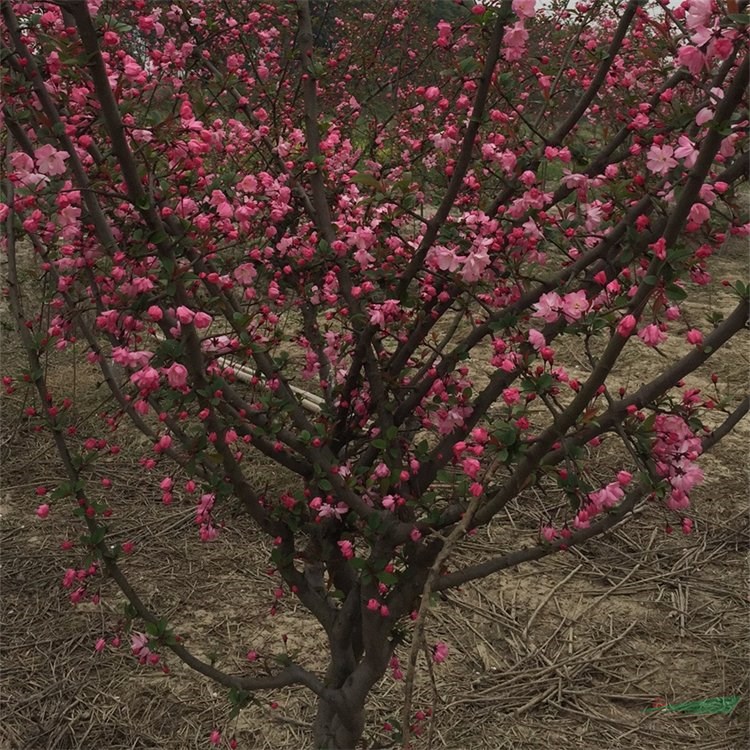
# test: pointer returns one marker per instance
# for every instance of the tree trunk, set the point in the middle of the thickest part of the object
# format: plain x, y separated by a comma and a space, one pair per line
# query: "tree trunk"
333, 730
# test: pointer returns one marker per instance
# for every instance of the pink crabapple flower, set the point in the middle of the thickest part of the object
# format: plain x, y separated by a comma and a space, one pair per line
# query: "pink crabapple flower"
626, 325
548, 307
548, 533
245, 274
202, 320
694, 337
176, 375
704, 115
536, 339
185, 315
50, 161
660, 159
439, 652
624, 477
574, 305
43, 511
524, 8
652, 335
686, 150
691, 58
346, 548
139, 645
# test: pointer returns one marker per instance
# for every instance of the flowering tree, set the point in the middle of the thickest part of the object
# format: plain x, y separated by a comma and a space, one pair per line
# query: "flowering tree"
359, 259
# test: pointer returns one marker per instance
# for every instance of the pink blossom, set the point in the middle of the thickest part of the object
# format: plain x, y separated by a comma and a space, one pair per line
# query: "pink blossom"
177, 375
536, 339
704, 115
548, 533
511, 396
514, 41
245, 274
444, 258
698, 14
475, 265
624, 477
574, 305
699, 213
686, 150
155, 313
694, 336
439, 652
471, 467
50, 161
347, 549
139, 645
215, 737
43, 510
524, 8
607, 497
202, 320
146, 379
691, 58
626, 325
185, 315
432, 93
162, 444
377, 316
548, 307
659, 248
21, 162
652, 335
100, 645
659, 159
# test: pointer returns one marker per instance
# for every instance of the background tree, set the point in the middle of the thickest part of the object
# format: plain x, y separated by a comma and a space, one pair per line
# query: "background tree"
353, 241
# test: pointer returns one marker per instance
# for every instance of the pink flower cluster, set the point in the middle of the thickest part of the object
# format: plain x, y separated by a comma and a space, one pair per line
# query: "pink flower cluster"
208, 532
139, 646
675, 450
602, 500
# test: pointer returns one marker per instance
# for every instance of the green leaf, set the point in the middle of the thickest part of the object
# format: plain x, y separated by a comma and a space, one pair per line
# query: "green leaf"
157, 629
143, 203
240, 319
675, 293
387, 578
707, 707
469, 65
130, 611
239, 699
368, 180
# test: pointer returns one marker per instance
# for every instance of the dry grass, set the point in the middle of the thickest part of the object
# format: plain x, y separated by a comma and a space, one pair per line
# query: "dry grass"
570, 650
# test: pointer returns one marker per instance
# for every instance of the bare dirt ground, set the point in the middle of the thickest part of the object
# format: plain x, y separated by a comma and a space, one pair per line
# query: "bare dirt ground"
568, 652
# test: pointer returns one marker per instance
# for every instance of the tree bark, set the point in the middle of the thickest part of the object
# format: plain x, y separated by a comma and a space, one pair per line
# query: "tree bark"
334, 729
